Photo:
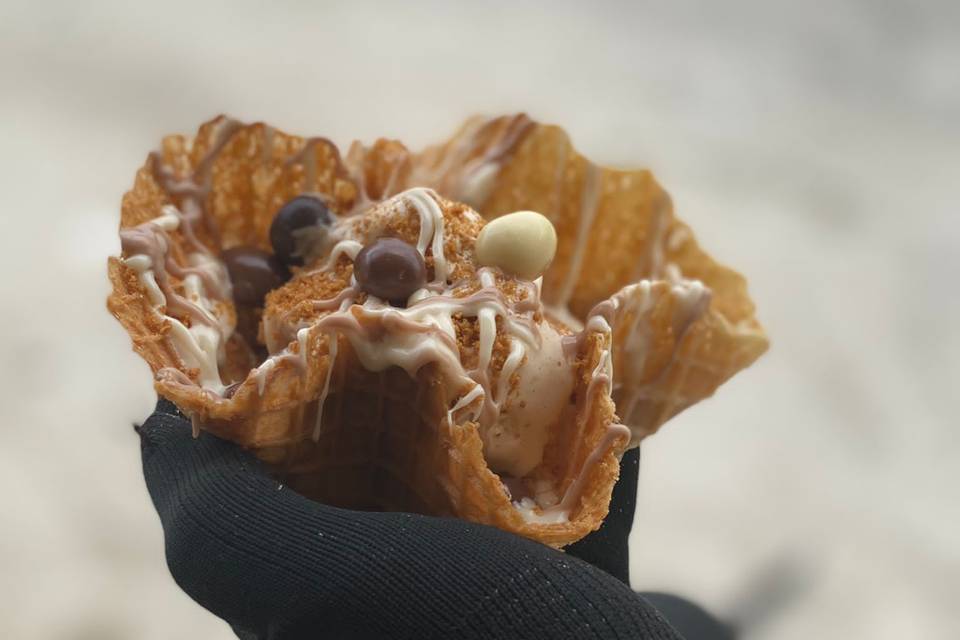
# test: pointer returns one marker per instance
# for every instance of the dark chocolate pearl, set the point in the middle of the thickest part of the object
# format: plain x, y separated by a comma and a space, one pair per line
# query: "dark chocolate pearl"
390, 269
254, 273
296, 226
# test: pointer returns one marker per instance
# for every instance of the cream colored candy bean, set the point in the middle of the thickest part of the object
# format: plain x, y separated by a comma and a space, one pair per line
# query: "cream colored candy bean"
521, 243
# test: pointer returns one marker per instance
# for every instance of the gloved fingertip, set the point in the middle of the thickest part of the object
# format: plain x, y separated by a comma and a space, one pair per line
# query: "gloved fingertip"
164, 427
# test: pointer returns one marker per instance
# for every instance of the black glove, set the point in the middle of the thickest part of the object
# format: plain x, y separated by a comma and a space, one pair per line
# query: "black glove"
276, 565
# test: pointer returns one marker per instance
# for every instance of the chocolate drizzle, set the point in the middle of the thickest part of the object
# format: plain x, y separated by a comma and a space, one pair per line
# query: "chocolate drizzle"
151, 240
475, 155
201, 336
194, 189
471, 158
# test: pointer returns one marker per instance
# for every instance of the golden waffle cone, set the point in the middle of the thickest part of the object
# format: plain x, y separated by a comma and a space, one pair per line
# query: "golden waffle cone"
385, 441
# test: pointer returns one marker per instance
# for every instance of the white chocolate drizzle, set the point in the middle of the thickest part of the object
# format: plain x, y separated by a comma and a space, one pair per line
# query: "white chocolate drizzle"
204, 279
431, 229
317, 429
201, 345
589, 201
693, 299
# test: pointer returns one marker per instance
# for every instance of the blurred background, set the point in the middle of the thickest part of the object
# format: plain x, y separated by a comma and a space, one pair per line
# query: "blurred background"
813, 148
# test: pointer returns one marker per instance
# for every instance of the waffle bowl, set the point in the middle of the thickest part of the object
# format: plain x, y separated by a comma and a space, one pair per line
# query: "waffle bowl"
639, 329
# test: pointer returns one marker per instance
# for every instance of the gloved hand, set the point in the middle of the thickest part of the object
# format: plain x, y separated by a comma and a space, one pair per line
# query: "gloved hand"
276, 565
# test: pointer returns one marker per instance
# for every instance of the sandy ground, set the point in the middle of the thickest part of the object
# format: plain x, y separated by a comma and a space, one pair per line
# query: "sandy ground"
815, 148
